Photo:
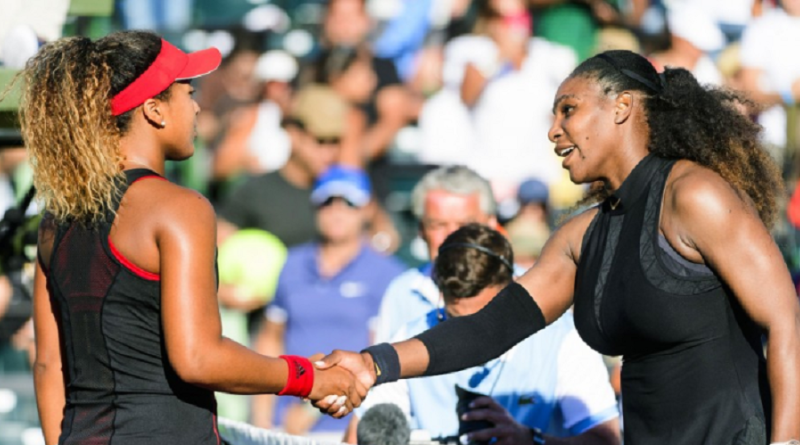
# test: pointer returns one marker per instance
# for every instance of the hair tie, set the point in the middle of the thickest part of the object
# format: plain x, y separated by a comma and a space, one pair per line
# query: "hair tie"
634, 75
489, 252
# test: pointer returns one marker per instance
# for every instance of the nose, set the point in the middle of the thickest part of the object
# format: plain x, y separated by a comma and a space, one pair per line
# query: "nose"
555, 131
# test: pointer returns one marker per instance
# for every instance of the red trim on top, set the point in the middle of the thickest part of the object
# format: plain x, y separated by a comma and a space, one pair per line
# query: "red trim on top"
130, 266
146, 177
216, 432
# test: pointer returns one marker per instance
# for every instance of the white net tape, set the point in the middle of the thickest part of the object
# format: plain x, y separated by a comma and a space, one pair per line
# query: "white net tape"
239, 433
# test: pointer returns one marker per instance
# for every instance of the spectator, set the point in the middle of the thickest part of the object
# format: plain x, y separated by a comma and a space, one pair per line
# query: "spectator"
508, 80
255, 142
770, 72
575, 23
694, 34
529, 229
443, 200
278, 202
565, 394
328, 292
386, 106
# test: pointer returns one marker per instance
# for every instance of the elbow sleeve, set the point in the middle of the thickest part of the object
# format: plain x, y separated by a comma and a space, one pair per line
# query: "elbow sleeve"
463, 342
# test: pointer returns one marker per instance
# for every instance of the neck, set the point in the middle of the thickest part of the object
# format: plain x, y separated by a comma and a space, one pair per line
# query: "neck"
630, 154
334, 256
296, 175
460, 307
140, 150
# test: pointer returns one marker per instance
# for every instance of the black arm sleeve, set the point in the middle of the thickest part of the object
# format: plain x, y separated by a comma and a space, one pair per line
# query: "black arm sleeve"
463, 342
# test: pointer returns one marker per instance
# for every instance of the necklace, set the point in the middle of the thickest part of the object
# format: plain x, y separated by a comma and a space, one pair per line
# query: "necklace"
613, 204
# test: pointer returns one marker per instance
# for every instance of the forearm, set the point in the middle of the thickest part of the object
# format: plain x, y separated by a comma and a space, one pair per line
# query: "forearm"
783, 368
463, 342
378, 138
253, 373
472, 86
50, 399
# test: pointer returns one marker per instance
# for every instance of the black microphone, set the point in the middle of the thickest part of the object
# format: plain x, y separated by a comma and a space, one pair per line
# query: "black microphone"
383, 424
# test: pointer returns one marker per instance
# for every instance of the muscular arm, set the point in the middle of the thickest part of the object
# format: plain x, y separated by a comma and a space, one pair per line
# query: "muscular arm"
190, 315
708, 221
550, 281
48, 376
269, 342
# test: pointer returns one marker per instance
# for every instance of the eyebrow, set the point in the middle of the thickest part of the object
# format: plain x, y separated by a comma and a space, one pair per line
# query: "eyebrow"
561, 98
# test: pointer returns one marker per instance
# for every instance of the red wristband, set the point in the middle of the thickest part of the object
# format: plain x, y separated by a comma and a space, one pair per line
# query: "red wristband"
301, 376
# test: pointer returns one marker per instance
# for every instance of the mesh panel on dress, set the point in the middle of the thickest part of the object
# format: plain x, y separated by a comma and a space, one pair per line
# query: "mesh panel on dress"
83, 274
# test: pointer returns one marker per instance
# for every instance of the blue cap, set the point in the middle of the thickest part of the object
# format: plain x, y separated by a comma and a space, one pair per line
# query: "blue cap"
339, 181
533, 191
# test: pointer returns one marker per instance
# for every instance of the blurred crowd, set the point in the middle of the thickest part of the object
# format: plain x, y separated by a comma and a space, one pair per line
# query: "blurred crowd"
325, 115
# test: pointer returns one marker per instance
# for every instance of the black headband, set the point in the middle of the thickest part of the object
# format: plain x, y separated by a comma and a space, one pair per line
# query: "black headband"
489, 252
636, 76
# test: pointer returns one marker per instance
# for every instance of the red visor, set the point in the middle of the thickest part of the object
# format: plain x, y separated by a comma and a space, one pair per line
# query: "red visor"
171, 65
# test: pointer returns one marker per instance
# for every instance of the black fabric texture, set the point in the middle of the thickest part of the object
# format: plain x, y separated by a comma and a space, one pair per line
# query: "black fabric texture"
387, 363
120, 386
464, 342
694, 370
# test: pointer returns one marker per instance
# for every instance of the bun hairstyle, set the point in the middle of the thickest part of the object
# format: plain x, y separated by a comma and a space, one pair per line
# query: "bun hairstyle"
471, 259
66, 120
691, 121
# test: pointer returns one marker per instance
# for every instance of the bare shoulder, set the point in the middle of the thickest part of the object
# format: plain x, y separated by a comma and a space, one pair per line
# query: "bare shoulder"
174, 206
697, 194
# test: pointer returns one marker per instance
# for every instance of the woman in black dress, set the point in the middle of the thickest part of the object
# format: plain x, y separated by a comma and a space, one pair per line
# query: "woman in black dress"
675, 269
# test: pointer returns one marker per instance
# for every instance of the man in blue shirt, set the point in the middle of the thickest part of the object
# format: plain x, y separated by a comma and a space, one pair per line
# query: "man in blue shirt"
328, 293
550, 388
443, 200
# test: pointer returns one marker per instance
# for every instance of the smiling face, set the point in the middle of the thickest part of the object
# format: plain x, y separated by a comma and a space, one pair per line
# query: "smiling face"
585, 129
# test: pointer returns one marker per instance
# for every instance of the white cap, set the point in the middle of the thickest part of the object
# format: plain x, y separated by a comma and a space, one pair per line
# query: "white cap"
696, 26
276, 65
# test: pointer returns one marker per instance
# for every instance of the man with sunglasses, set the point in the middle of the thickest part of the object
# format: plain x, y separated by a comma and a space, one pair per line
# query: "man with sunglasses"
328, 293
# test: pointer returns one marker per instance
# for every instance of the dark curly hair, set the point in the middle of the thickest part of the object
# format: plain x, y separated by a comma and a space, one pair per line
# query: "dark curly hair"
463, 269
691, 121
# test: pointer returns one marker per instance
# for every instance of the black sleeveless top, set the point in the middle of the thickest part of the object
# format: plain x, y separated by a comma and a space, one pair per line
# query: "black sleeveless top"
693, 369
120, 386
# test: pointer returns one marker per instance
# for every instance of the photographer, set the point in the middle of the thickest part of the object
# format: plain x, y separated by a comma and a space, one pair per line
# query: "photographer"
549, 387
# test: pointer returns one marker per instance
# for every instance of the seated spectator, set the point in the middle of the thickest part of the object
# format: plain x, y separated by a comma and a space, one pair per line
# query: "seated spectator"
278, 202
328, 294
770, 70
529, 229
254, 141
551, 385
443, 200
507, 79
385, 105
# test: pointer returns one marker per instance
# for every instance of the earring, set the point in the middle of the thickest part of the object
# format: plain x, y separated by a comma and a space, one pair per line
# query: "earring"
163, 124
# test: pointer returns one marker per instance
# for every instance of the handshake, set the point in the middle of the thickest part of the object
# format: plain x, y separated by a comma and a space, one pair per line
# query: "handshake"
341, 381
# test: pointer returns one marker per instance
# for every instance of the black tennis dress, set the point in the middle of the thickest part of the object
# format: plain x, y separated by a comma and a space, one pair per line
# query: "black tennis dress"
693, 370
120, 387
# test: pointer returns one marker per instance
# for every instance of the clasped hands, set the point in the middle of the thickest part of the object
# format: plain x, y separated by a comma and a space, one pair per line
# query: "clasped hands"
341, 381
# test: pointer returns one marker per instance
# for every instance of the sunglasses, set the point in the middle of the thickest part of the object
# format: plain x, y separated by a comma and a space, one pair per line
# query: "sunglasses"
329, 202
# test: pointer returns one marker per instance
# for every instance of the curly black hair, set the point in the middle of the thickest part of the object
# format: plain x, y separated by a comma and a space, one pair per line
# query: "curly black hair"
687, 120
464, 267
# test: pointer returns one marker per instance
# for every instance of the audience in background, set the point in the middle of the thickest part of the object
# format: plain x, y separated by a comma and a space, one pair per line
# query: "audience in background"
327, 296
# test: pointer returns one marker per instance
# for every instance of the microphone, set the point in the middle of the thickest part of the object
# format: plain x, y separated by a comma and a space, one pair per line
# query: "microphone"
383, 424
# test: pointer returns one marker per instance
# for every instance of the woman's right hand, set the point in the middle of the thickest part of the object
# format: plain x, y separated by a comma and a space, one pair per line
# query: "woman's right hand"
336, 391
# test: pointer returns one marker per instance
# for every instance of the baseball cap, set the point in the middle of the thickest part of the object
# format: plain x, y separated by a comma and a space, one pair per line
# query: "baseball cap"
276, 65
169, 66
340, 181
320, 111
533, 191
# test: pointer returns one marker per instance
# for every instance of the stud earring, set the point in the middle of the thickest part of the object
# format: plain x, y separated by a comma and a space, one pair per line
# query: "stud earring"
163, 124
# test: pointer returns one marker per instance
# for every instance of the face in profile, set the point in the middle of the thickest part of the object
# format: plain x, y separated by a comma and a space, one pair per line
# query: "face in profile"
582, 128
180, 116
